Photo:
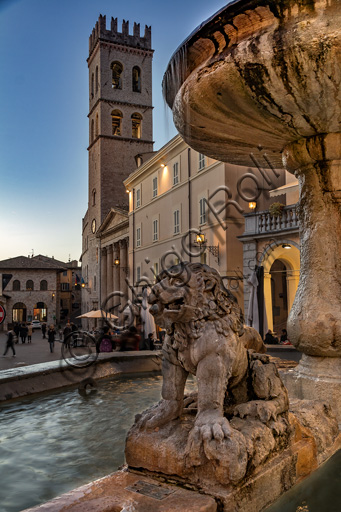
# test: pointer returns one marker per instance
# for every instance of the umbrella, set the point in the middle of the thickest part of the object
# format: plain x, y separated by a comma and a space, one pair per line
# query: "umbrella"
98, 313
146, 316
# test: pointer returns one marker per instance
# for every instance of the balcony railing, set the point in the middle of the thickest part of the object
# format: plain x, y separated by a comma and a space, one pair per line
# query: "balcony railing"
263, 222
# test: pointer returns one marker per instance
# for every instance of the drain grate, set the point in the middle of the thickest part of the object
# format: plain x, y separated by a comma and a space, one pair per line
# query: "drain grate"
151, 490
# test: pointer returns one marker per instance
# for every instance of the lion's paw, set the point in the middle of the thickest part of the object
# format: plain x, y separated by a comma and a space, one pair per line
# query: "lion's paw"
212, 425
260, 409
166, 411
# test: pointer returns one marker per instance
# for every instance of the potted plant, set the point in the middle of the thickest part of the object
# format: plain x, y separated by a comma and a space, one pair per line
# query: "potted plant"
276, 209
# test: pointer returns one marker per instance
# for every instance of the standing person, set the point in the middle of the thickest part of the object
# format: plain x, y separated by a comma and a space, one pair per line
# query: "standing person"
11, 336
23, 332
43, 329
284, 338
51, 333
66, 332
29, 333
270, 339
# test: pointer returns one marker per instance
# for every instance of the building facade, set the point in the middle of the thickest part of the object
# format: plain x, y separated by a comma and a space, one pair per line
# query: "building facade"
179, 194
39, 288
120, 135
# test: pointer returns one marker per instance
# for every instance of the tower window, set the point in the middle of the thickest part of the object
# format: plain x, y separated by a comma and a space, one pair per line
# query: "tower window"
136, 79
136, 120
116, 116
117, 69
94, 197
92, 85
96, 79
43, 285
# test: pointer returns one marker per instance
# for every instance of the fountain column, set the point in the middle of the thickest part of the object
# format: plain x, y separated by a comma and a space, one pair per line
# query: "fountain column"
314, 324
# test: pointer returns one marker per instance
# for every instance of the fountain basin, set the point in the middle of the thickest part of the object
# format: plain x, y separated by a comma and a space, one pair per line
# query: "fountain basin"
258, 73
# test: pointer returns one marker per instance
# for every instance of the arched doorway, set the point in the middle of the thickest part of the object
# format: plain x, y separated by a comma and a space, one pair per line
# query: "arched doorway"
279, 295
40, 312
19, 312
281, 263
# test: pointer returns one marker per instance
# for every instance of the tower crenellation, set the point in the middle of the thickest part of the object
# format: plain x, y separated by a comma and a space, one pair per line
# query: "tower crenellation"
112, 35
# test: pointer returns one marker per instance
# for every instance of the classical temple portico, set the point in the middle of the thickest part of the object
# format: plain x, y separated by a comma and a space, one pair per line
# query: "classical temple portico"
114, 271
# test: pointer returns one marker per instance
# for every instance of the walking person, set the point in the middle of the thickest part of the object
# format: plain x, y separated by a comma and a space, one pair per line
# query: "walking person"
51, 333
11, 337
29, 333
23, 332
43, 329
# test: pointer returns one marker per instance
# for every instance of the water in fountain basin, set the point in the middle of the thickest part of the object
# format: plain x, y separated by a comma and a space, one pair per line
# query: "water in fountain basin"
60, 441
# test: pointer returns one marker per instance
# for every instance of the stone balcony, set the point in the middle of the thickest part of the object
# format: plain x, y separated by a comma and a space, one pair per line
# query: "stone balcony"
261, 224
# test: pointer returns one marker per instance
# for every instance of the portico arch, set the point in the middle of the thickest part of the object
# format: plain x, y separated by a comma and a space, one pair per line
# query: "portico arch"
290, 258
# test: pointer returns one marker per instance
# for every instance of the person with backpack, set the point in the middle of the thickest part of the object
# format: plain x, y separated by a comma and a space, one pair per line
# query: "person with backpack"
11, 337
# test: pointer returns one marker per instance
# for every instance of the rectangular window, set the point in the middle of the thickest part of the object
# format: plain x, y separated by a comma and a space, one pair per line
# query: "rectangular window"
155, 186
176, 173
138, 237
176, 222
138, 198
138, 274
155, 230
202, 161
65, 287
202, 210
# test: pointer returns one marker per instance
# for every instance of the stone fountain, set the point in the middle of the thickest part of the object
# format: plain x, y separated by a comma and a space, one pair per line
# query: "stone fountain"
269, 73
258, 72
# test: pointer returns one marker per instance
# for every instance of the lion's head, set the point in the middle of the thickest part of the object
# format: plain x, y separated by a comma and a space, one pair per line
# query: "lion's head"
194, 293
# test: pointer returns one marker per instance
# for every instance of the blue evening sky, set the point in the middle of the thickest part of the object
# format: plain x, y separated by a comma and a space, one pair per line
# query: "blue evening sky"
44, 107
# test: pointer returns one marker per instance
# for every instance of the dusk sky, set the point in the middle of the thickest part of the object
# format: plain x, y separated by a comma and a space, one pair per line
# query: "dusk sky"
44, 107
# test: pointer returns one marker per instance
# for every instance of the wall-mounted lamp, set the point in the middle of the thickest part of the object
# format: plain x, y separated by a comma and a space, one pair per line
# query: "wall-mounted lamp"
252, 205
117, 264
286, 246
53, 295
163, 165
202, 242
127, 191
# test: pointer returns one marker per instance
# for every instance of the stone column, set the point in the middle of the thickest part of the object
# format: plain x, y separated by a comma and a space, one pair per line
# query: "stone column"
123, 267
109, 273
268, 301
314, 323
292, 283
116, 275
103, 275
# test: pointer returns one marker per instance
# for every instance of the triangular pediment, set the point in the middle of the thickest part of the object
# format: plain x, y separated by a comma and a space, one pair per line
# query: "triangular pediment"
115, 220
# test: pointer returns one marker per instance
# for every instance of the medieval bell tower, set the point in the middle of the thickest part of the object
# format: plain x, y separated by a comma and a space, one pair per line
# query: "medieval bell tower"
120, 128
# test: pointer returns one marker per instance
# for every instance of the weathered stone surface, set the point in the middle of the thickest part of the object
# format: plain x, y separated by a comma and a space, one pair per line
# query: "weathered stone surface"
115, 493
257, 72
276, 460
204, 325
316, 378
314, 323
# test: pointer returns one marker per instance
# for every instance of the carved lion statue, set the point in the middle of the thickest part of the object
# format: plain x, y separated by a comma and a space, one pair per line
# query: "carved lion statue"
204, 325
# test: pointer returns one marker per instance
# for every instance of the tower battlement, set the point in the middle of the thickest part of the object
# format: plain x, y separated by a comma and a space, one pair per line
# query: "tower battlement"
100, 32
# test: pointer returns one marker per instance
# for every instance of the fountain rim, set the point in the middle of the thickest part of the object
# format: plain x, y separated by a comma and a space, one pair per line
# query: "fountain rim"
231, 9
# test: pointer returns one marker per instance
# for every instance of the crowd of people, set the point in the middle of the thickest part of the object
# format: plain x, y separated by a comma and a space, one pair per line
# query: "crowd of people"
271, 339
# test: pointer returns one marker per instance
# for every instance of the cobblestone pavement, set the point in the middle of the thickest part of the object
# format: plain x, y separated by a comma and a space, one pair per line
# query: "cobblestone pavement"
28, 353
